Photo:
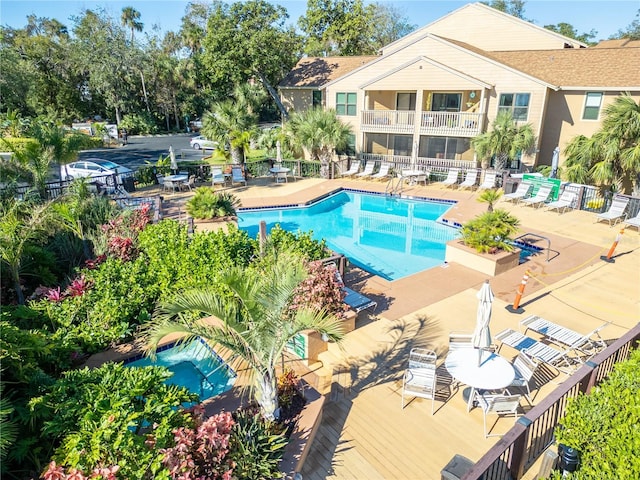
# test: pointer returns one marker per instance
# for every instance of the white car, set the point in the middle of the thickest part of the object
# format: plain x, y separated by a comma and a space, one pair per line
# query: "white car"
93, 167
203, 143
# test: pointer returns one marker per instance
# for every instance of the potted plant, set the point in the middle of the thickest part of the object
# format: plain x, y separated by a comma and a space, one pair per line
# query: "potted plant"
209, 205
485, 243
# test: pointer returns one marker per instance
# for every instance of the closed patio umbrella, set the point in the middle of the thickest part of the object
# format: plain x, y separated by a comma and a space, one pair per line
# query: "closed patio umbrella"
172, 156
555, 158
414, 156
278, 152
482, 334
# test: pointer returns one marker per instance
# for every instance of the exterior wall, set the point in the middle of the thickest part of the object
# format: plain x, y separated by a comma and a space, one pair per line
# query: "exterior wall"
563, 120
381, 100
296, 99
487, 29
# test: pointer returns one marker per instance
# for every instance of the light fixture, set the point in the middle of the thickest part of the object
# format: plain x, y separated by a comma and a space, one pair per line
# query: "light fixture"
325, 337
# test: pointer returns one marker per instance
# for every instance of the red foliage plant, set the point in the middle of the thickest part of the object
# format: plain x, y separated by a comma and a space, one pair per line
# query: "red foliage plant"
78, 286
122, 248
56, 472
322, 289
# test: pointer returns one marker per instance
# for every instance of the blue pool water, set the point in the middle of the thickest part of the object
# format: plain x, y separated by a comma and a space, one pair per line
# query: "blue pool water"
387, 236
194, 366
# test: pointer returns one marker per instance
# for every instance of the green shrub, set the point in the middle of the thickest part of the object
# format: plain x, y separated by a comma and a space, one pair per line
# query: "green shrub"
139, 123
604, 426
490, 231
207, 204
300, 242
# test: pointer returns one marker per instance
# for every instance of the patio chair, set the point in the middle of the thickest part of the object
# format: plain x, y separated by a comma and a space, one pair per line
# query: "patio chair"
499, 405
544, 192
420, 378
237, 176
565, 337
566, 200
521, 192
615, 212
169, 185
470, 179
355, 168
368, 170
452, 177
190, 184
525, 369
489, 181
634, 221
217, 177
282, 176
382, 173
459, 340
539, 351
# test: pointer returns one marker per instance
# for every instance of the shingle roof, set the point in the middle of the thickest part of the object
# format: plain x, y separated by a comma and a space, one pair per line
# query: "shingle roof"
317, 71
618, 43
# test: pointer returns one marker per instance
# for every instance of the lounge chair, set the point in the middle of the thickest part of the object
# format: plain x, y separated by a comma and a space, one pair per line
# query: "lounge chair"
566, 200
498, 405
356, 301
565, 337
452, 177
237, 176
383, 172
537, 350
420, 377
521, 192
615, 212
355, 168
470, 179
489, 181
368, 170
634, 221
544, 192
525, 369
217, 177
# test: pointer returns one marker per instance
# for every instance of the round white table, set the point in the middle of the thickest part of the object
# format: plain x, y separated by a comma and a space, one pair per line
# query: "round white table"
492, 372
413, 174
176, 180
276, 170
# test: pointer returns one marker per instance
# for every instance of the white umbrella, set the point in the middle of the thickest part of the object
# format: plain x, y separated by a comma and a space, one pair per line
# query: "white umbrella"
414, 156
554, 162
482, 335
278, 152
172, 155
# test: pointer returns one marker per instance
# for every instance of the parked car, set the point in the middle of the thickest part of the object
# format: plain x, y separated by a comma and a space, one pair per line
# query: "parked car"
203, 143
94, 167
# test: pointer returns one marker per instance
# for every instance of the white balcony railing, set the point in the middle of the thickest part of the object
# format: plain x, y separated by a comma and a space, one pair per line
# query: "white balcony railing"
454, 124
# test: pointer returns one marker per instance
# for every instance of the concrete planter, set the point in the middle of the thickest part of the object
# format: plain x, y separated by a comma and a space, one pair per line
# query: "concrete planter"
491, 264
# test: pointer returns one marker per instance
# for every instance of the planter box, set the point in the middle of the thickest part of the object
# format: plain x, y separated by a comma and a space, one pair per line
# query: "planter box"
487, 263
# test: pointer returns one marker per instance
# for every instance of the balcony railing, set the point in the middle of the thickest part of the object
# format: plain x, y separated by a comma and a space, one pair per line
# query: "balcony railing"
400, 162
521, 446
453, 124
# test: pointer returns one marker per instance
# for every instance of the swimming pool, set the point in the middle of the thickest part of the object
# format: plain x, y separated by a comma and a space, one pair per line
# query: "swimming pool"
195, 366
388, 236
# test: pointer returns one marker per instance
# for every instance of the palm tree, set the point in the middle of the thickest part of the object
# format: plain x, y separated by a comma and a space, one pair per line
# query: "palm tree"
490, 196
130, 18
255, 320
505, 140
321, 132
611, 156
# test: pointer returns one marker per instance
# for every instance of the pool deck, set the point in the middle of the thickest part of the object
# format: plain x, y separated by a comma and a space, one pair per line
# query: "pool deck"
364, 433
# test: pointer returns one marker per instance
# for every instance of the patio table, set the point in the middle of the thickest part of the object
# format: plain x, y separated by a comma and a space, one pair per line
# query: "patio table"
177, 180
493, 372
276, 170
413, 174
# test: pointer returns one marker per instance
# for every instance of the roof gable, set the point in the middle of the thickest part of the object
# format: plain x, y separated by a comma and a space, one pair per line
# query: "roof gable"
315, 72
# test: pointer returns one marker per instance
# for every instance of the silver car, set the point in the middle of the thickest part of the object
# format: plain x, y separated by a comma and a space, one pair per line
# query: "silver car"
203, 143
94, 167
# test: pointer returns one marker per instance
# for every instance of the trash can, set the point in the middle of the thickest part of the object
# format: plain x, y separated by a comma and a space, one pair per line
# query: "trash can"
128, 184
569, 459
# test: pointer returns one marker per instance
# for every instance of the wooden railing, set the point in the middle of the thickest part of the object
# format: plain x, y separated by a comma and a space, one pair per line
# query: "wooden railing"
521, 446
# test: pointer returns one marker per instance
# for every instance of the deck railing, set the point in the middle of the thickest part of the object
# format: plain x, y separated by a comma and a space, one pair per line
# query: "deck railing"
521, 446
387, 121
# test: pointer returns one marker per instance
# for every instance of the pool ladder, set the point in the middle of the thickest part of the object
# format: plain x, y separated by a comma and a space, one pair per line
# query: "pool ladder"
529, 234
394, 186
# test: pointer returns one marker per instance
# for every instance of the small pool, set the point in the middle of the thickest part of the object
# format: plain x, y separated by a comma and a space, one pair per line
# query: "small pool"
388, 236
195, 366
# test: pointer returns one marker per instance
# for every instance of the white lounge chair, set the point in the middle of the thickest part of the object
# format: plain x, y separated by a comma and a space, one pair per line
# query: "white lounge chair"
382, 173
368, 170
489, 181
452, 177
565, 337
237, 176
420, 377
355, 168
536, 350
498, 405
544, 192
470, 179
566, 200
615, 212
521, 192
634, 221
217, 177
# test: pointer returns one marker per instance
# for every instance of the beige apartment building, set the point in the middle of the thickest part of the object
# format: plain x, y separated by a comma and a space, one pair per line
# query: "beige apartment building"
429, 93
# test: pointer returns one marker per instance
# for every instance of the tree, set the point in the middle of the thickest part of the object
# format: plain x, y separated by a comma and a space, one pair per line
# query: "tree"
389, 25
512, 7
505, 140
611, 156
568, 30
255, 321
632, 32
321, 132
131, 19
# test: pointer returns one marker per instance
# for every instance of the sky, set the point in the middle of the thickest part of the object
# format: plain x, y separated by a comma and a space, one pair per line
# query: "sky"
606, 17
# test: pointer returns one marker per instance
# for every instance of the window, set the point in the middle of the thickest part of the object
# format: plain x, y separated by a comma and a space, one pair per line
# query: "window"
592, 106
317, 98
402, 145
346, 103
516, 103
446, 102
406, 101
443, 147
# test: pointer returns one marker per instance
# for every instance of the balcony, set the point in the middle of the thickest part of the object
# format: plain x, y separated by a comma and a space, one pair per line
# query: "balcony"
450, 124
